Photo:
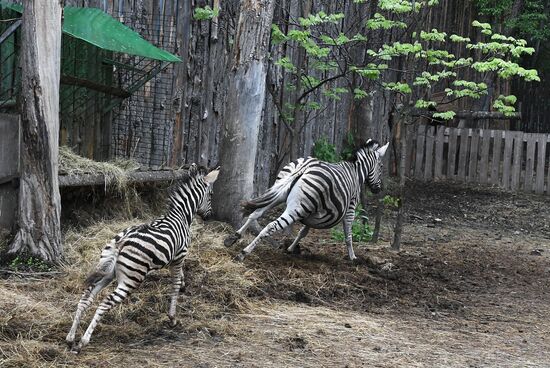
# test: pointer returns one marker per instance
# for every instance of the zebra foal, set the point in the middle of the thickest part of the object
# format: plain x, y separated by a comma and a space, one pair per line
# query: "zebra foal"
137, 250
318, 194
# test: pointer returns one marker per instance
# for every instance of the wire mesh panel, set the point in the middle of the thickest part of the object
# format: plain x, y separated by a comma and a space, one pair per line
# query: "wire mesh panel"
86, 90
112, 105
142, 126
10, 71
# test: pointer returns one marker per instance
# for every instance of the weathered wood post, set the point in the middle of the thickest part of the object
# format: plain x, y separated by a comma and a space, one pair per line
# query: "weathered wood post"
243, 111
39, 231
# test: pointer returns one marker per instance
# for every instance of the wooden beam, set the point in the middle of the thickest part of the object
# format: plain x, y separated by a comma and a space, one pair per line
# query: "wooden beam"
8, 32
82, 180
113, 91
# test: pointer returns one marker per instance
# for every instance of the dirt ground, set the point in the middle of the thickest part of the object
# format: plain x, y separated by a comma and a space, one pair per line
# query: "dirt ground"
470, 288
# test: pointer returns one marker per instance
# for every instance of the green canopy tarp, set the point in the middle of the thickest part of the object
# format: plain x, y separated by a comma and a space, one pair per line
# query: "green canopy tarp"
100, 29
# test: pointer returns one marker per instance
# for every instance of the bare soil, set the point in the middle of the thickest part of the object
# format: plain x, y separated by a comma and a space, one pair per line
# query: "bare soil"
470, 288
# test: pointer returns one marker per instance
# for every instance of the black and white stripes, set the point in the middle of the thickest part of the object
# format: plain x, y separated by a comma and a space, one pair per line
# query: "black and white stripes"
318, 194
136, 251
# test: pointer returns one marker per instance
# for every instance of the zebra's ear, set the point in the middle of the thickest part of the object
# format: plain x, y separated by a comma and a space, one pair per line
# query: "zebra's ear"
193, 169
382, 150
212, 176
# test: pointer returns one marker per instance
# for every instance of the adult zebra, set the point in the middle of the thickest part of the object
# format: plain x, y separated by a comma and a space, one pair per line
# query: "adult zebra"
137, 250
318, 194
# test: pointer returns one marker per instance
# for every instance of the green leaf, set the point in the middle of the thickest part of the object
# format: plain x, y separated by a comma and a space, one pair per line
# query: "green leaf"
205, 13
422, 104
359, 94
286, 64
434, 35
380, 22
447, 115
398, 87
320, 18
457, 38
334, 93
277, 36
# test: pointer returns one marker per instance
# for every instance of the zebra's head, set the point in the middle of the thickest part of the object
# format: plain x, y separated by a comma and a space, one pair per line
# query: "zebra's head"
206, 182
373, 164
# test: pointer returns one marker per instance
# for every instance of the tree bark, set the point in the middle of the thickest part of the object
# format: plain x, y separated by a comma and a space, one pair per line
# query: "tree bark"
401, 138
243, 114
39, 231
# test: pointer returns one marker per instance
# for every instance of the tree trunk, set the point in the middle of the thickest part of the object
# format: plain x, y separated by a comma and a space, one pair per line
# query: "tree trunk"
243, 112
39, 231
401, 139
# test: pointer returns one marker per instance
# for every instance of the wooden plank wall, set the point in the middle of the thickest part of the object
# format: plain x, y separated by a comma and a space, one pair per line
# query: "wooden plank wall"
512, 160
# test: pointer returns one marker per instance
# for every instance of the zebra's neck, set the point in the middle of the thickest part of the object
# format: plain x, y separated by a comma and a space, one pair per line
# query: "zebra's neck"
184, 202
361, 167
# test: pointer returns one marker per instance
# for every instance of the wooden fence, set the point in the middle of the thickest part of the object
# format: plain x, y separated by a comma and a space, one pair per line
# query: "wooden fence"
511, 160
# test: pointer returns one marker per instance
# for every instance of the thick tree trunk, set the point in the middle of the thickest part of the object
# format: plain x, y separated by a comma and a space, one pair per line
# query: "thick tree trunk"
39, 201
243, 111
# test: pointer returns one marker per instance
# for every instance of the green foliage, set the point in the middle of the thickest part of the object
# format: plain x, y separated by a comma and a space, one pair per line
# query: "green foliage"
380, 22
325, 151
328, 49
447, 115
361, 231
349, 147
505, 104
390, 201
286, 64
22, 263
532, 22
334, 93
320, 18
205, 13
434, 35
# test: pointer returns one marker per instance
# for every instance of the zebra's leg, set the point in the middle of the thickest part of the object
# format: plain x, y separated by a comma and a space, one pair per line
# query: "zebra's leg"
347, 222
84, 303
176, 271
254, 216
301, 234
283, 221
116, 297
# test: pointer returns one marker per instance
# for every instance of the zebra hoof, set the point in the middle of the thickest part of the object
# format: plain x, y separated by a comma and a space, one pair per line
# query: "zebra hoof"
296, 250
171, 323
240, 256
76, 348
230, 240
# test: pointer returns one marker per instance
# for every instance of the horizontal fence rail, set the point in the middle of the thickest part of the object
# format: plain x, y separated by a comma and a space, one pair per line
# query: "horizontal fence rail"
512, 160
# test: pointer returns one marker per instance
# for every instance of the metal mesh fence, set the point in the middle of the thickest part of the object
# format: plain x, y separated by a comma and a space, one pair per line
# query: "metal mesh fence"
10, 71
112, 105
142, 126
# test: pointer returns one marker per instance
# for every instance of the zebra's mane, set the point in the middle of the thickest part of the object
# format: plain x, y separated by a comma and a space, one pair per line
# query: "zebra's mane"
186, 179
370, 144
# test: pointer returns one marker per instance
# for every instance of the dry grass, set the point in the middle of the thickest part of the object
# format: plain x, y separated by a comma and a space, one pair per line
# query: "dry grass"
459, 295
35, 312
115, 172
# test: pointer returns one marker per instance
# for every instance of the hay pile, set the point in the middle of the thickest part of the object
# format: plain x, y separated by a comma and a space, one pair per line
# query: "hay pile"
36, 312
115, 172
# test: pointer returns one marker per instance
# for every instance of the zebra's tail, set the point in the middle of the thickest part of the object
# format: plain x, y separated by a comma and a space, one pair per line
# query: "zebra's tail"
280, 189
106, 266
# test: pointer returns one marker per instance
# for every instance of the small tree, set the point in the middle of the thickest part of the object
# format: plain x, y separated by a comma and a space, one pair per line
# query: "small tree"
413, 65
39, 231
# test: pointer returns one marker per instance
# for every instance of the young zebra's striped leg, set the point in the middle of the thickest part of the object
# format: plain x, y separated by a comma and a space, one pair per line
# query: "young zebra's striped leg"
176, 272
116, 297
283, 221
347, 223
84, 303
301, 234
